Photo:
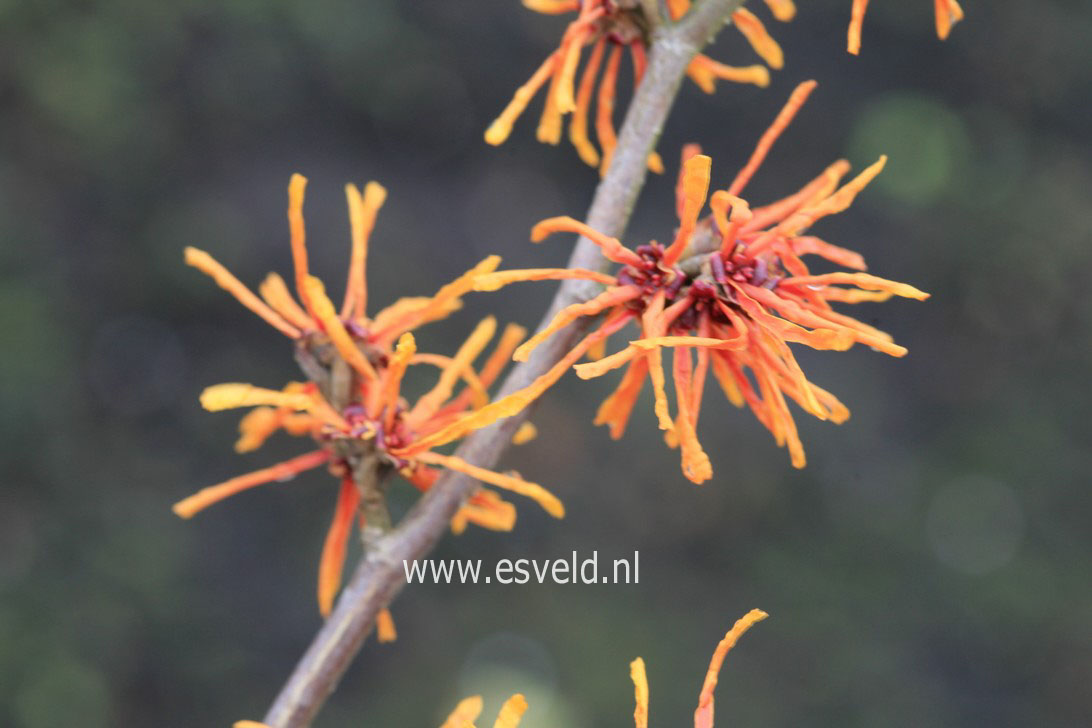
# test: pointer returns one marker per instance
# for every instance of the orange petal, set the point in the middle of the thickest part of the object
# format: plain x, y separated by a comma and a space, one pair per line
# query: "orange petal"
323, 310
695, 463
526, 432
496, 281
703, 716
948, 13
640, 692
234, 395
296, 187
275, 292
578, 126
501, 127
534, 491
486, 509
704, 71
766, 141
604, 123
468, 709
337, 540
384, 626
396, 369
511, 712
429, 403
205, 263
412, 313
248, 724
695, 188
704, 341
812, 192
651, 327
549, 124
856, 21
783, 10
362, 213
515, 402
256, 427
861, 280
615, 409
755, 32
475, 393
809, 244
600, 367
612, 248
604, 301
550, 7
188, 507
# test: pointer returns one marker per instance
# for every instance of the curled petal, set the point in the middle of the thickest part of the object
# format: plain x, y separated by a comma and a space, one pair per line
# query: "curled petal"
208, 265
334, 549
608, 299
766, 141
496, 281
703, 716
615, 409
578, 127
704, 71
363, 210
296, 186
323, 310
396, 369
429, 403
188, 507
604, 121
755, 32
275, 292
501, 127
598, 368
695, 187
861, 280
534, 491
612, 248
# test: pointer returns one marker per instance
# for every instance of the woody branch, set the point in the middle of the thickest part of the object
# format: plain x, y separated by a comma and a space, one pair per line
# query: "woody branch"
380, 575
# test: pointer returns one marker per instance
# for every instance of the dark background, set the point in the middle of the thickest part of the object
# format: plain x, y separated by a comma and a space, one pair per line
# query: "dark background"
929, 567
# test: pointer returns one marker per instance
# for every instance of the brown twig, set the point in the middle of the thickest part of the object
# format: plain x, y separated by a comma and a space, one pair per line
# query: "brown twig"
380, 574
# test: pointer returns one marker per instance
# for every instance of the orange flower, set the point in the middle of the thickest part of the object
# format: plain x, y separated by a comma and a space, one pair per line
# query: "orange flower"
468, 710
609, 27
947, 12
354, 408
728, 294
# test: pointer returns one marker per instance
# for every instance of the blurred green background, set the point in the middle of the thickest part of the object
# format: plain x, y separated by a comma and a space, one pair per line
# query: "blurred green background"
929, 567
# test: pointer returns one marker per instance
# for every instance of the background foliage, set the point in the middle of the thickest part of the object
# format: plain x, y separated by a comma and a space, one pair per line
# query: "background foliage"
930, 567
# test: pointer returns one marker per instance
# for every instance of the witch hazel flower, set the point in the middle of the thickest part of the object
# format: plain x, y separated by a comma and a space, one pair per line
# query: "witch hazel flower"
611, 28
946, 12
728, 295
353, 408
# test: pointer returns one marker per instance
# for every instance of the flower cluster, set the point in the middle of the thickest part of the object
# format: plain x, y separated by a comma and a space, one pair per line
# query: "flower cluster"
468, 710
733, 289
353, 408
948, 13
610, 27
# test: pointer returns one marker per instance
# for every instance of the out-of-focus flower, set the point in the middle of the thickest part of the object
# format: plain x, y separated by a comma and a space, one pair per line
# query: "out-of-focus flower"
353, 407
732, 289
610, 27
947, 12
467, 711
